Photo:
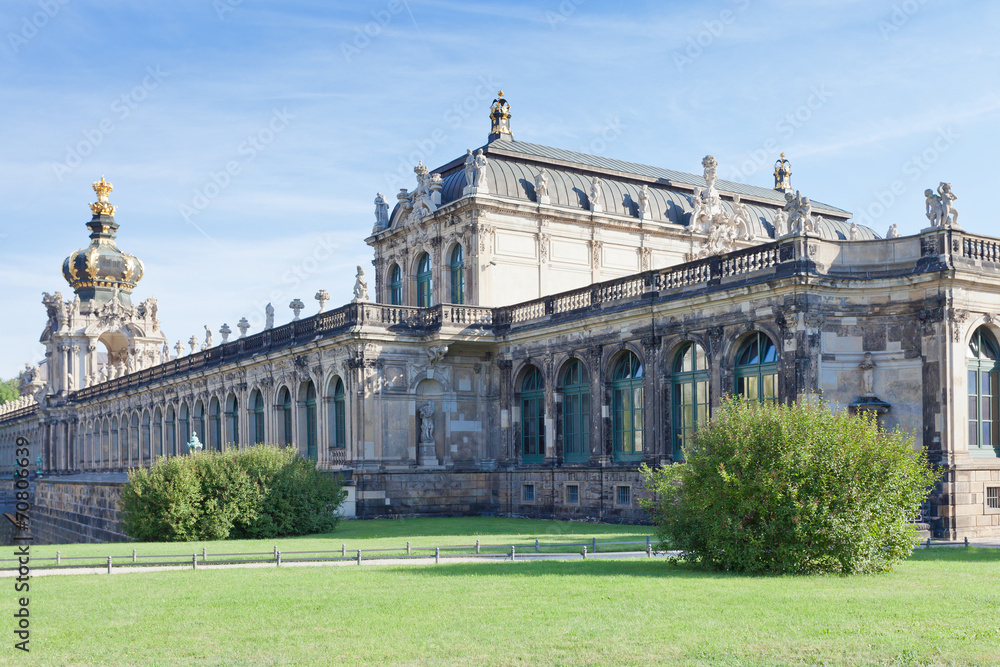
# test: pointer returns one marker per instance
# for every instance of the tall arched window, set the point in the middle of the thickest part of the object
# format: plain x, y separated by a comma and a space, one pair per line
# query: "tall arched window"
214, 441
171, 431
396, 285
424, 281
199, 423
257, 406
457, 275
757, 369
232, 420
115, 459
626, 404
184, 429
158, 444
308, 396
136, 444
576, 412
690, 395
285, 404
146, 454
532, 416
338, 432
984, 393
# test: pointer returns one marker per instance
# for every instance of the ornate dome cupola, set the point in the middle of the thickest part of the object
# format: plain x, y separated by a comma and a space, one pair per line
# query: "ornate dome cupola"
99, 270
500, 120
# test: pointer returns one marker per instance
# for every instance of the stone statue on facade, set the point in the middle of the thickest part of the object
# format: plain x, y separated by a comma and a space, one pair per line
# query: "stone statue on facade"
360, 287
932, 203
868, 376
854, 232
542, 186
949, 216
208, 338
644, 210
596, 192
405, 205
268, 318
470, 169
427, 422
435, 353
381, 213
893, 232
741, 219
421, 199
481, 184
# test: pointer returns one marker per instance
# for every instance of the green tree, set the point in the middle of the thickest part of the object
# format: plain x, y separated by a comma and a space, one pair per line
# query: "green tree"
792, 488
8, 391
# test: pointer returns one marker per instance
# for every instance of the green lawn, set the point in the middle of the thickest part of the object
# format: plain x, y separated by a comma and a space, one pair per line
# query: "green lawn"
379, 534
941, 607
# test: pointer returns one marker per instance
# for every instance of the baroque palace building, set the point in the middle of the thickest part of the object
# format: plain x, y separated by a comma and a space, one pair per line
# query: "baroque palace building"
542, 322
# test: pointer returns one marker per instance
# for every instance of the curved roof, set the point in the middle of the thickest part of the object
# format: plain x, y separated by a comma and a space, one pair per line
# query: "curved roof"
512, 166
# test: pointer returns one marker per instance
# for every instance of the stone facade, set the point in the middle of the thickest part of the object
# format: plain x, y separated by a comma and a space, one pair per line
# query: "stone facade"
535, 372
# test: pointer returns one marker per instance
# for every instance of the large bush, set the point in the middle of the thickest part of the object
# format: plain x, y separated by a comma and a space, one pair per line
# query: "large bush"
260, 492
776, 488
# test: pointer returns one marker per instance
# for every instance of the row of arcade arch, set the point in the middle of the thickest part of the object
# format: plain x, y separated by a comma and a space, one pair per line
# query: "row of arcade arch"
419, 289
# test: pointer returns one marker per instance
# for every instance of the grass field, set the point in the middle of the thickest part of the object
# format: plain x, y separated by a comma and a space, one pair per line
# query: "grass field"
941, 607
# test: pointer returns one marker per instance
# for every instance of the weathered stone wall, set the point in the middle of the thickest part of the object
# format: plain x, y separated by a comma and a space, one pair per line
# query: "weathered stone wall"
67, 511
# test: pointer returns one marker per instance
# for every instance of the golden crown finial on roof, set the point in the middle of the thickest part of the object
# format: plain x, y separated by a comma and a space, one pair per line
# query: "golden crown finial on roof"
500, 119
101, 206
782, 174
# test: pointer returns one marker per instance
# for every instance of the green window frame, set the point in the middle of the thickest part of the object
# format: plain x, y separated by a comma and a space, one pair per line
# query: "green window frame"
627, 407
576, 412
690, 396
339, 430
312, 449
286, 416
984, 394
233, 416
171, 429
457, 275
215, 419
532, 416
396, 285
757, 369
185, 428
258, 418
425, 282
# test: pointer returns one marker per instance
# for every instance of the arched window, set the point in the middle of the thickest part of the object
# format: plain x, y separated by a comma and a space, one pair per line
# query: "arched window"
158, 445
106, 444
146, 453
757, 369
171, 431
184, 429
257, 406
576, 412
199, 423
626, 404
308, 396
136, 445
457, 275
984, 393
232, 420
285, 405
424, 282
338, 432
115, 452
690, 395
214, 441
396, 285
532, 416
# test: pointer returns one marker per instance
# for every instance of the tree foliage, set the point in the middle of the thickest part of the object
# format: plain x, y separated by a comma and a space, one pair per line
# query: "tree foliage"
8, 391
260, 492
792, 488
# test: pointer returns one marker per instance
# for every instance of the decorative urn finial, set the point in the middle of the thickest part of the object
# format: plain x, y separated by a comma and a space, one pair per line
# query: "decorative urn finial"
101, 206
783, 175
500, 120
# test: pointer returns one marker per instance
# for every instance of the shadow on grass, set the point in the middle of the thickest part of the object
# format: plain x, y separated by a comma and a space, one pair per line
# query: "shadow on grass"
957, 555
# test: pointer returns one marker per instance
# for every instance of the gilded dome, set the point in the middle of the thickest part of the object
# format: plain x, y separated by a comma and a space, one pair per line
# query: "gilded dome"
95, 271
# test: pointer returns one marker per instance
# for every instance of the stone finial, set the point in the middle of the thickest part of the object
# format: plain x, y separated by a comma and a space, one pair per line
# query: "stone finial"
322, 296
268, 317
225, 331
180, 349
193, 342
297, 306
243, 325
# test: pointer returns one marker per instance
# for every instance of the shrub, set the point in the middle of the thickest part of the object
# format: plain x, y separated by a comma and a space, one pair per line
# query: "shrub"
260, 492
792, 488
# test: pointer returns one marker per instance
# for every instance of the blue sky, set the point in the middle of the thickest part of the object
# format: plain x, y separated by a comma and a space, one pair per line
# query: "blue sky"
316, 105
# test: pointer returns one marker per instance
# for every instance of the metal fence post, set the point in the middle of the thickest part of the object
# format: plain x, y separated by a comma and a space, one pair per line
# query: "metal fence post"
343, 550
649, 550
512, 552
437, 555
594, 545
277, 559
58, 558
276, 552
194, 561
359, 556
109, 564
407, 547
204, 555
647, 543
536, 545
477, 547
584, 552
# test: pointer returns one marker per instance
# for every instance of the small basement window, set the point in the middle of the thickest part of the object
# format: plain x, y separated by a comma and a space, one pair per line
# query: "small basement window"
624, 495
528, 493
572, 494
